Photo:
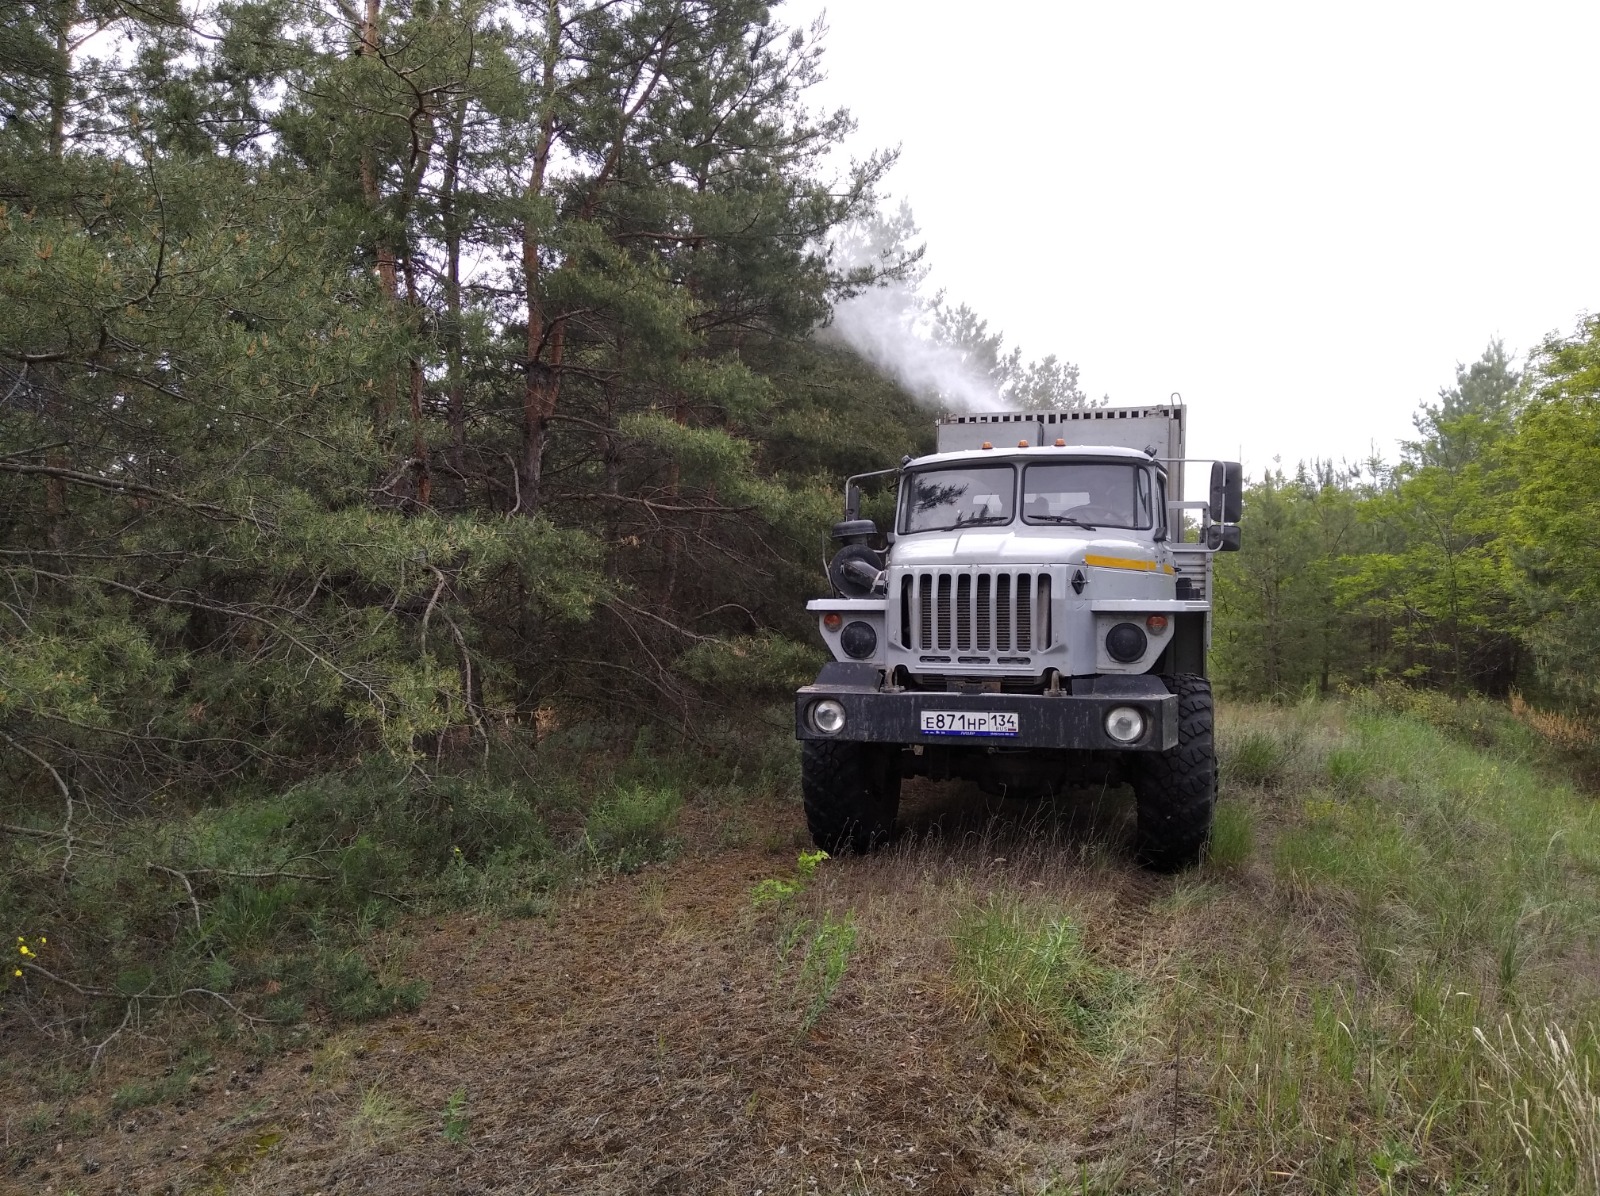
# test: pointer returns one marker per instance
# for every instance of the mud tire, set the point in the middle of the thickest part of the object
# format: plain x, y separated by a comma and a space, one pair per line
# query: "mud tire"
851, 793
1176, 790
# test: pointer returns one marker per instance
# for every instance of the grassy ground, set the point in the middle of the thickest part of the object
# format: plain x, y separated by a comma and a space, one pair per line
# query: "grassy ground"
1385, 980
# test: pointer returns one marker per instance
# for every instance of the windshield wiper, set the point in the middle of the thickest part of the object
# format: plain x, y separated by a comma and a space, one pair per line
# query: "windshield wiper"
1072, 519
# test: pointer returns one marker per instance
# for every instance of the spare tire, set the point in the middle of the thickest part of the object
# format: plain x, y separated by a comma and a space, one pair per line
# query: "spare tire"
853, 570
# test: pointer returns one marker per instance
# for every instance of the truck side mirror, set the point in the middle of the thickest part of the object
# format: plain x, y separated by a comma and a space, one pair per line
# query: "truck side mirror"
1227, 491
1223, 537
852, 502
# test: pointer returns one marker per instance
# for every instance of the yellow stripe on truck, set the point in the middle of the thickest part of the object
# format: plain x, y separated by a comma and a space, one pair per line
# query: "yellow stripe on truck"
1126, 562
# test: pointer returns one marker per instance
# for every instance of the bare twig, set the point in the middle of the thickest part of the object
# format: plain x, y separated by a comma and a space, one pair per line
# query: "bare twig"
63, 981
121, 486
14, 829
100, 1048
516, 485
66, 792
189, 888
262, 875
433, 601
683, 631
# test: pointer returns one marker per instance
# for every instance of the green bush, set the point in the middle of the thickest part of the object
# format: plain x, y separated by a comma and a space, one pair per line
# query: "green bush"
629, 827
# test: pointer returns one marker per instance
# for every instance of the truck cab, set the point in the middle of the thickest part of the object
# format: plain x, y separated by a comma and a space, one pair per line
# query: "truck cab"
1033, 620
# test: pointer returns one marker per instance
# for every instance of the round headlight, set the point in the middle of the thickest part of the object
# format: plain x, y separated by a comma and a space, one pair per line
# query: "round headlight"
1126, 642
827, 716
858, 640
1124, 724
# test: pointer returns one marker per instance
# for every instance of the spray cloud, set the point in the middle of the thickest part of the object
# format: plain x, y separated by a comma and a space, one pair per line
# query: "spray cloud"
889, 322
943, 356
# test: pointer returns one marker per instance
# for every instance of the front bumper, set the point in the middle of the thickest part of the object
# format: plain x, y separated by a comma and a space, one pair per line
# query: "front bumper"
1068, 720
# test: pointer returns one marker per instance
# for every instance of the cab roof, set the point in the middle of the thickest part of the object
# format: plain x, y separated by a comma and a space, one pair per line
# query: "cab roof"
1094, 452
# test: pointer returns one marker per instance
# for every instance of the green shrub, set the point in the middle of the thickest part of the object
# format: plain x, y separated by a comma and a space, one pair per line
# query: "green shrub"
827, 956
629, 827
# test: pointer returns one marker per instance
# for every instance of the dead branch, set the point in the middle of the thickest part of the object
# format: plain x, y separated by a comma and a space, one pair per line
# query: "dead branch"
100, 1048
683, 631
120, 486
66, 792
63, 981
13, 828
433, 601
708, 509
189, 888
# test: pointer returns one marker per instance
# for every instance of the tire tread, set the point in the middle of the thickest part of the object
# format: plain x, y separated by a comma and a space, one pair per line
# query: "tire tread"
851, 793
1176, 790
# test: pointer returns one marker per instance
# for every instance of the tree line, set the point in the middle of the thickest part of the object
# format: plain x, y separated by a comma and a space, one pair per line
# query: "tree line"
1470, 565
373, 374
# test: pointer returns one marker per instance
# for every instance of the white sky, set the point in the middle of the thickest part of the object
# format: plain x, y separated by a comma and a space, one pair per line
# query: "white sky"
1300, 217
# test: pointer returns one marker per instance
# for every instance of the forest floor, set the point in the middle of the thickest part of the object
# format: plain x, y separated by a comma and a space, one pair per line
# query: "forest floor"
648, 1036
888, 1024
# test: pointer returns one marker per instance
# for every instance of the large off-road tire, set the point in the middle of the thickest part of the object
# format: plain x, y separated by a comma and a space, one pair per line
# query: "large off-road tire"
851, 792
1176, 790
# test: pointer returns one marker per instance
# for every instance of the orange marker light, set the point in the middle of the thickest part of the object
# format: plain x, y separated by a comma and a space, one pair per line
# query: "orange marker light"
1156, 623
987, 445
1061, 443
833, 620
1022, 444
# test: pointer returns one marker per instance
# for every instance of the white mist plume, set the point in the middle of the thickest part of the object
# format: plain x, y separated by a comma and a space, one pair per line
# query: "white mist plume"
944, 356
889, 322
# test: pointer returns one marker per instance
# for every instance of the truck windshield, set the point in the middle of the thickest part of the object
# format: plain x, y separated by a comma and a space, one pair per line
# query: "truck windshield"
1089, 494
940, 500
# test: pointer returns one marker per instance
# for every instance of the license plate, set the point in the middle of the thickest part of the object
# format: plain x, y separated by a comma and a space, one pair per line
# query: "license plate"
969, 722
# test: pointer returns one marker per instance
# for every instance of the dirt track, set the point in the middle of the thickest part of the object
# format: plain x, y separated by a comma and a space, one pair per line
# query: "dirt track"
646, 1038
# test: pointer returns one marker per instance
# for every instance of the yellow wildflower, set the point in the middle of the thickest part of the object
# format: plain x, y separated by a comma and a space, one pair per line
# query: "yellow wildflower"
18, 972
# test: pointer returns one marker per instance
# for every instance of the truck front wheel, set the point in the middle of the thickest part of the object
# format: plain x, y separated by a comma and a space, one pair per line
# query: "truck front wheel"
1176, 790
851, 792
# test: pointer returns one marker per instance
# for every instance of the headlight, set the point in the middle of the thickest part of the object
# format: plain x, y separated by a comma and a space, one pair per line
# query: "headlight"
1126, 642
827, 716
858, 640
1124, 724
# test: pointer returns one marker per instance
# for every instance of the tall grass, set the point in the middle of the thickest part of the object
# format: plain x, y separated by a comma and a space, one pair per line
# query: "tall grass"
1410, 1008
1023, 971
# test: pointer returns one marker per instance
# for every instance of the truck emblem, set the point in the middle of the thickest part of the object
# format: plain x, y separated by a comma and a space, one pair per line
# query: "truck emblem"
1078, 581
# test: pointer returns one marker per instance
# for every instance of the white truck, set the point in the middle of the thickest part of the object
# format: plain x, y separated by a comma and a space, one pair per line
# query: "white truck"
1034, 620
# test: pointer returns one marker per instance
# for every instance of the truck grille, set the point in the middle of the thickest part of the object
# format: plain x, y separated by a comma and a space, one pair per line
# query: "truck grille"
975, 612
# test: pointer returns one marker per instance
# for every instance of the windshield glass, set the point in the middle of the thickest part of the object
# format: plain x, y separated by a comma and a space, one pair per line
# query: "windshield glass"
940, 500
1089, 494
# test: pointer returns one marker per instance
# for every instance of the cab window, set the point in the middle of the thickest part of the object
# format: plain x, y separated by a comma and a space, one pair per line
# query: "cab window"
1090, 494
946, 499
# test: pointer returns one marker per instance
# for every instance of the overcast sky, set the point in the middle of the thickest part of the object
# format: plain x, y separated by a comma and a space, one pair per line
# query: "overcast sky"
1298, 216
